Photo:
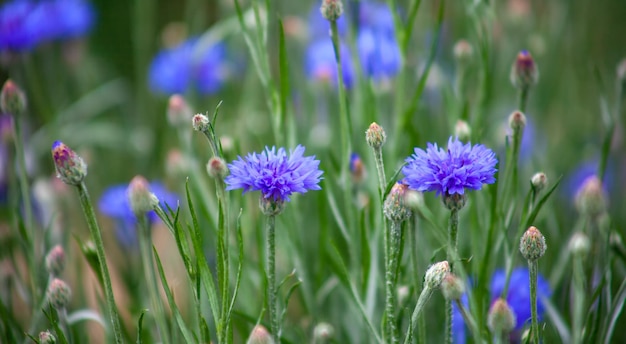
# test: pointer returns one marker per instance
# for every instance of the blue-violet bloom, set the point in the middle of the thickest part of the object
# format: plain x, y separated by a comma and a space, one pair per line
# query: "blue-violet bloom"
274, 173
452, 170
320, 64
114, 203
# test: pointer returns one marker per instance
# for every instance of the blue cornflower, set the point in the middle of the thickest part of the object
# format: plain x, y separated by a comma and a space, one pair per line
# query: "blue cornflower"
114, 203
518, 298
275, 174
376, 41
320, 64
450, 171
176, 69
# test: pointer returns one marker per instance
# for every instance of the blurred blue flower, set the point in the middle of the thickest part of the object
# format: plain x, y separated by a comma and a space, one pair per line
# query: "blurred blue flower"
275, 174
452, 170
376, 41
320, 64
114, 203
177, 69
319, 27
25, 23
584, 170
518, 298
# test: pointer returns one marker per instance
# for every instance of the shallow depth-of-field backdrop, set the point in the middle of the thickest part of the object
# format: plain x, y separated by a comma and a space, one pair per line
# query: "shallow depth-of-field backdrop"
540, 84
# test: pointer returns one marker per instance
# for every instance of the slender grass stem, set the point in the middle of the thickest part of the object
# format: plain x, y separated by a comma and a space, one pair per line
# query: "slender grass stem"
271, 278
145, 246
96, 235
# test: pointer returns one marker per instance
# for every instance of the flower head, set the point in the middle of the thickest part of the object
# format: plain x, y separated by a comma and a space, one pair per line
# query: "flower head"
70, 167
450, 171
275, 174
115, 204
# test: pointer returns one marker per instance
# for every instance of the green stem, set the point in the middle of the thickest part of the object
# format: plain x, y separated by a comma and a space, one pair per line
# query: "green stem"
391, 276
380, 169
96, 235
523, 98
579, 300
271, 278
469, 320
534, 330
145, 246
23, 178
419, 307
453, 226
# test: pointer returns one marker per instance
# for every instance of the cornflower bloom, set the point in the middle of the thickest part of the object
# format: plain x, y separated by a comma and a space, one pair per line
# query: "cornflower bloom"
518, 298
184, 67
376, 41
114, 203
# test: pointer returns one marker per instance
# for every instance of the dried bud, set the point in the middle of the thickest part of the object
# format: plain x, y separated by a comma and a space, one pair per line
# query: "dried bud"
591, 199
435, 274
501, 318
517, 121
139, 196
452, 287
357, 169
58, 294
260, 335
524, 72
323, 332
55, 260
462, 130
394, 207
454, 201
200, 122
178, 112
216, 167
533, 244
331, 9
579, 244
375, 136
463, 52
70, 167
46, 337
12, 99
539, 181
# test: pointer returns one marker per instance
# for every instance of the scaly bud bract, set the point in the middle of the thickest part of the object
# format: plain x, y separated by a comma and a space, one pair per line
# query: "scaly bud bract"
139, 196
216, 167
524, 72
55, 260
539, 181
452, 287
435, 274
394, 207
533, 244
454, 201
501, 318
517, 121
591, 199
331, 9
70, 167
375, 135
12, 99
271, 207
58, 293
200, 122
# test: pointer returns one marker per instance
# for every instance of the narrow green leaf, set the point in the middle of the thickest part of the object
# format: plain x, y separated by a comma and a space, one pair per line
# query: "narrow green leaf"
283, 59
531, 218
140, 326
614, 313
239, 267
53, 317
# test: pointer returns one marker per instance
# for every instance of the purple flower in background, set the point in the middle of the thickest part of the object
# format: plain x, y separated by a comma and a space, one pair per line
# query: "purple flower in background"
275, 174
177, 69
450, 171
320, 64
577, 178
114, 203
376, 41
518, 298
24, 23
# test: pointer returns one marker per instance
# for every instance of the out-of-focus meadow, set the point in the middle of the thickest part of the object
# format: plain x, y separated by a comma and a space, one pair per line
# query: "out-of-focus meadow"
119, 81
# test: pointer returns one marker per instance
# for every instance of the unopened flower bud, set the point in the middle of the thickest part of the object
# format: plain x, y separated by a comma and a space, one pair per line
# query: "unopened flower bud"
227, 143
216, 167
403, 294
533, 244
463, 52
55, 260
45, 337
200, 122
12, 99
178, 111
452, 287
139, 196
539, 181
579, 244
323, 332
462, 130
394, 207
591, 199
375, 136
435, 274
414, 199
70, 167
58, 294
501, 318
454, 201
176, 164
524, 72
357, 169
517, 121
331, 9
260, 335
